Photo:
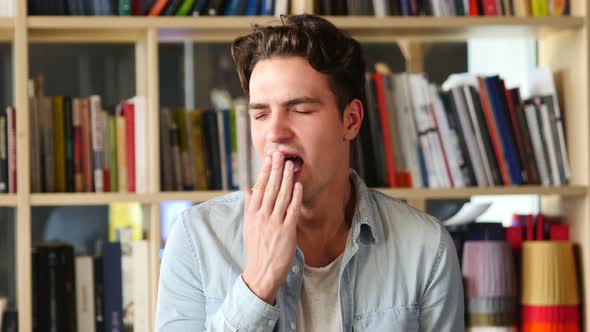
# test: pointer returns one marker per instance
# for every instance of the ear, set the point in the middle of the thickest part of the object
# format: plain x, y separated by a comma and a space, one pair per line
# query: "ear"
352, 118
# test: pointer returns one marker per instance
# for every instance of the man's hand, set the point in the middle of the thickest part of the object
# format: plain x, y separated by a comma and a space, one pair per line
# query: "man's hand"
271, 213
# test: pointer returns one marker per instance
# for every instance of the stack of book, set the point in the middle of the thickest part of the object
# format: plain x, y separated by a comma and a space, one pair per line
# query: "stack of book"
474, 133
440, 8
207, 149
78, 146
158, 7
107, 291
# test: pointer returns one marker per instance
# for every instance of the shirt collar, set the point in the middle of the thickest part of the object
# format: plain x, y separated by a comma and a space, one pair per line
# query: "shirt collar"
366, 222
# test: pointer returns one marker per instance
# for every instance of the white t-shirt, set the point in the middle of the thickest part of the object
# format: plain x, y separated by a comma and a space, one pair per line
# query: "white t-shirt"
319, 305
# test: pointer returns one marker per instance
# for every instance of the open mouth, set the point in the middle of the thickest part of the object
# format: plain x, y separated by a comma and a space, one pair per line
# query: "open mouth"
297, 162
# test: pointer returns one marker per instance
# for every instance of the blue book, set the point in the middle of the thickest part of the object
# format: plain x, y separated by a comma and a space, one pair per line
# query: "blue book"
405, 7
267, 8
235, 7
113, 287
253, 7
503, 124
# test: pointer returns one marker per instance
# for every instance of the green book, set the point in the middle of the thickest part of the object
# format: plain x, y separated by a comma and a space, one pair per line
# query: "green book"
112, 151
124, 7
185, 8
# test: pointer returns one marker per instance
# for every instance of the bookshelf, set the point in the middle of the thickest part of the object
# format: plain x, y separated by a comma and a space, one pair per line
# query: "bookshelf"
562, 44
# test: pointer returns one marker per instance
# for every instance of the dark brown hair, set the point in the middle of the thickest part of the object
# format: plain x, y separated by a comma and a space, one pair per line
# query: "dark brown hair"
328, 50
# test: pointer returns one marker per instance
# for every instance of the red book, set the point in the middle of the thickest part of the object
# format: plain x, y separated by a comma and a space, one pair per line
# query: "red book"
514, 237
540, 228
77, 132
106, 183
473, 8
382, 106
559, 232
494, 135
158, 8
129, 114
530, 225
136, 9
490, 8
86, 145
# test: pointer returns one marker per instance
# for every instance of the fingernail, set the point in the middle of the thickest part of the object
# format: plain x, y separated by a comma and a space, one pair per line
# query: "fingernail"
288, 166
266, 161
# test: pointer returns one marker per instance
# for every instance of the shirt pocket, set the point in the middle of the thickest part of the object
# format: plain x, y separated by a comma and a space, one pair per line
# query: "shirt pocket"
398, 318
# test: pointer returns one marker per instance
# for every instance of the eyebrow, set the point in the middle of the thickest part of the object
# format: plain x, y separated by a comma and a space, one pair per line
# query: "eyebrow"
288, 103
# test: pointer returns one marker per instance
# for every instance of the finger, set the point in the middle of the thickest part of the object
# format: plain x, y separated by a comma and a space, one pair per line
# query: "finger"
274, 183
248, 197
294, 209
284, 196
259, 187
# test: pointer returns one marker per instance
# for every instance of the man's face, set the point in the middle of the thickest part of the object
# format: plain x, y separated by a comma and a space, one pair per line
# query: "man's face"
294, 111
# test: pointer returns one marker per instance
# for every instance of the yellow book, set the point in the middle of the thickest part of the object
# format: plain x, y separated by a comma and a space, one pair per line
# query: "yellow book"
125, 221
198, 147
121, 154
539, 8
59, 143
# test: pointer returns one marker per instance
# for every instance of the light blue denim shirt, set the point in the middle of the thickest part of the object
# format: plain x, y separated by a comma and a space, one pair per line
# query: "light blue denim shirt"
399, 272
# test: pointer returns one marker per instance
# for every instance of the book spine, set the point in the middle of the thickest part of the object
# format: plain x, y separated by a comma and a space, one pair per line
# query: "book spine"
86, 142
77, 132
112, 151
129, 111
158, 8
125, 8
385, 128
186, 8
98, 272
121, 149
11, 129
3, 153
59, 143
98, 142
85, 293
69, 144
113, 288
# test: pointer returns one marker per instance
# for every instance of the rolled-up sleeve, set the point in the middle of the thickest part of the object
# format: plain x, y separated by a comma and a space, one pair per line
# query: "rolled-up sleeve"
442, 306
182, 301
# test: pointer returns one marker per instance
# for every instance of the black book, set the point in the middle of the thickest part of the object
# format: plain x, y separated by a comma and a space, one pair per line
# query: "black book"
486, 138
9, 321
3, 152
173, 7
466, 166
216, 7
98, 293
54, 287
69, 144
532, 173
211, 132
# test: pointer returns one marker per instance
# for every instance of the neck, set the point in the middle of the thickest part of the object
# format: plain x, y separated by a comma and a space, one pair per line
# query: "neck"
325, 224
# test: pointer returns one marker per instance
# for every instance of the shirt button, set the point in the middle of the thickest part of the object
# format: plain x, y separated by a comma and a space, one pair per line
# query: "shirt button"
270, 323
292, 325
295, 269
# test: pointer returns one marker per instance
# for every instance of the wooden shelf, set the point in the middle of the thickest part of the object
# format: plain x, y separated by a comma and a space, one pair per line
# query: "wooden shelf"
6, 29
226, 28
59, 199
8, 200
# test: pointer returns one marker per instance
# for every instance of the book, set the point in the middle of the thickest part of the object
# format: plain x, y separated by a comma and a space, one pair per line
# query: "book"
85, 293
112, 287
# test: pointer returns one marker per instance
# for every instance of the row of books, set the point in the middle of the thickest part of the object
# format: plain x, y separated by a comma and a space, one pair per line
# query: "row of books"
439, 8
8, 150
207, 149
91, 293
78, 146
475, 132
158, 7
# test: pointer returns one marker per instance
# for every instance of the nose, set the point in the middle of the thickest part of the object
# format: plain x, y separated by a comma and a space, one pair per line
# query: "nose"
279, 128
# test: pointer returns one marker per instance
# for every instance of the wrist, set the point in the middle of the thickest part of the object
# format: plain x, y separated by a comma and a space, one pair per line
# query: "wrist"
262, 289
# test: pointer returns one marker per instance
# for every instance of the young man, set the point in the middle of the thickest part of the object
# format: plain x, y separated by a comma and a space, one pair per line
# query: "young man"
310, 247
